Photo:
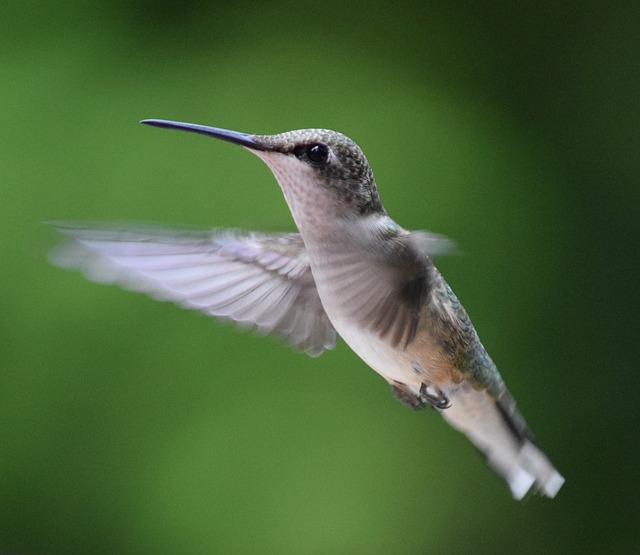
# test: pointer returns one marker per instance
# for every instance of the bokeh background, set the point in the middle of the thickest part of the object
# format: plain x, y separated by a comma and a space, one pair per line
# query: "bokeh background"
131, 426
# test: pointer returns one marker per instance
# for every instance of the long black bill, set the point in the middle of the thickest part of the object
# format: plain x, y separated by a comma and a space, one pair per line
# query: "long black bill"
242, 139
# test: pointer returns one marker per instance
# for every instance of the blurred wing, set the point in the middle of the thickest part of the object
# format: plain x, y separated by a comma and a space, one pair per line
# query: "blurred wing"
432, 244
256, 280
390, 299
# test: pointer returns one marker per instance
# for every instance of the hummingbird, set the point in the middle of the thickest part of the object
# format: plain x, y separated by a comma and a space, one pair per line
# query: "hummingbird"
350, 271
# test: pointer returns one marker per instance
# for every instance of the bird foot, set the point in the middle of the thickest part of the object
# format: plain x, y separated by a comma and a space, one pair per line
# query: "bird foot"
428, 395
432, 395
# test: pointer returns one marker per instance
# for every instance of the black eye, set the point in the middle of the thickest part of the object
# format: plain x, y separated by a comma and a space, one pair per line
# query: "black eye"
316, 153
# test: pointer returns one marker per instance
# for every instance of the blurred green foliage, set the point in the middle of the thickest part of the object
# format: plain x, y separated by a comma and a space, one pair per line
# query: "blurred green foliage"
130, 426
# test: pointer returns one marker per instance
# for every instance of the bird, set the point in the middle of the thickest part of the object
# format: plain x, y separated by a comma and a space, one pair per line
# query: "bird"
350, 271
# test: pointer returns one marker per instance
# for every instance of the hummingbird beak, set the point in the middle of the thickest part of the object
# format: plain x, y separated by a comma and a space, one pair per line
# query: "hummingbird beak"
235, 137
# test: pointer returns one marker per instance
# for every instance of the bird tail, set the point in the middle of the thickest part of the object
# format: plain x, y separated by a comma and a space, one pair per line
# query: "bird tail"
499, 432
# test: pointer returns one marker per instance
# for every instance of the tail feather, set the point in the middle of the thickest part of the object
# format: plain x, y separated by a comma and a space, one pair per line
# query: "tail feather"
504, 440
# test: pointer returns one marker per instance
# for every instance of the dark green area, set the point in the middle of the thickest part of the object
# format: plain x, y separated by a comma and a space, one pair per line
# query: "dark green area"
130, 426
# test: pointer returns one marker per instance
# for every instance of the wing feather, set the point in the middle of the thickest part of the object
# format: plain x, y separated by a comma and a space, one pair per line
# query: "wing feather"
257, 280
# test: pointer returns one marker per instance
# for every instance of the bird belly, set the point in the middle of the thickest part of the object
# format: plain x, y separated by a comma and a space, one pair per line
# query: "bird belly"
386, 361
422, 361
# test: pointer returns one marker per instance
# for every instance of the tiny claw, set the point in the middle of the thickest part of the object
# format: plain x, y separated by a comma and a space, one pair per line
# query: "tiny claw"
434, 396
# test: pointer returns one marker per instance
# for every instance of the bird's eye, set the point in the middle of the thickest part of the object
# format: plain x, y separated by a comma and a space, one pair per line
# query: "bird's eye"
316, 153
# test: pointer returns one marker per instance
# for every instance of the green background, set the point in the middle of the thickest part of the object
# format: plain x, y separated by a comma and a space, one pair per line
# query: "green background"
131, 426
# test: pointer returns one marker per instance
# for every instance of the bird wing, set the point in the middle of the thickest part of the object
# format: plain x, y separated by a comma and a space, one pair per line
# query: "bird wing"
257, 280
384, 286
